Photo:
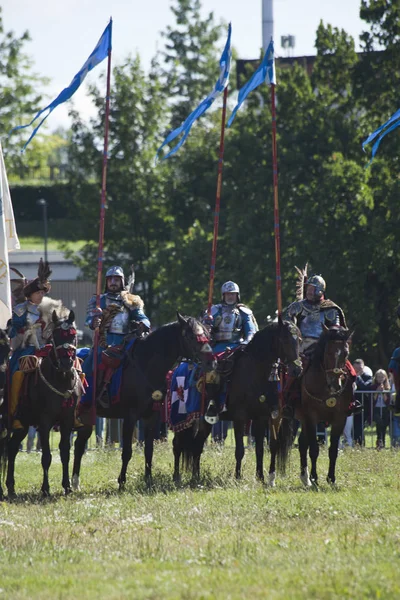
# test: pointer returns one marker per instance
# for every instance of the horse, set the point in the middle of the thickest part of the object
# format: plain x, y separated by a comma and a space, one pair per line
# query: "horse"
144, 382
251, 396
52, 391
4, 354
326, 395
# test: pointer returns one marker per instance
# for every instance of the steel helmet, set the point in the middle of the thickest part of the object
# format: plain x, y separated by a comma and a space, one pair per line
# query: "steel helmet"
115, 271
318, 282
230, 286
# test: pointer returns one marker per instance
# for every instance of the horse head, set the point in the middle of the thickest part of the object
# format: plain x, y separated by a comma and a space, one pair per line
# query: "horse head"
333, 350
289, 338
64, 341
195, 342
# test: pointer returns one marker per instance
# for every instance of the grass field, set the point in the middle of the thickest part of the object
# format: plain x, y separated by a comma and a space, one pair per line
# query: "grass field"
219, 539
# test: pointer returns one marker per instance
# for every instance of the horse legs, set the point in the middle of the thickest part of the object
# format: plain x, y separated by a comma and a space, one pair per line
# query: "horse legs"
198, 447
65, 447
44, 433
239, 449
127, 434
177, 448
303, 447
82, 437
149, 425
336, 432
314, 451
273, 448
258, 430
13, 448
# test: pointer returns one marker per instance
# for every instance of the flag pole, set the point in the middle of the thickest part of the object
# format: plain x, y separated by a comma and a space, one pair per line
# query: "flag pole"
101, 226
276, 205
216, 223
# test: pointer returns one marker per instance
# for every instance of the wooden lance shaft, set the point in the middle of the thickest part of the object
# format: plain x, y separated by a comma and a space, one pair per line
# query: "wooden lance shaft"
216, 224
276, 205
101, 231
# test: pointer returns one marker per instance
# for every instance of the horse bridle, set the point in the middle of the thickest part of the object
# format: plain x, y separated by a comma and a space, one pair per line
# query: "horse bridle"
70, 348
337, 371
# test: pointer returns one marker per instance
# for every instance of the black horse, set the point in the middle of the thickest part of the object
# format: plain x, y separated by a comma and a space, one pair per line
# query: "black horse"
251, 396
144, 382
326, 395
52, 392
4, 353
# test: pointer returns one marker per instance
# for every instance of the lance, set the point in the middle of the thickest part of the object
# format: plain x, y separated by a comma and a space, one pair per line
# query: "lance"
216, 223
276, 205
101, 228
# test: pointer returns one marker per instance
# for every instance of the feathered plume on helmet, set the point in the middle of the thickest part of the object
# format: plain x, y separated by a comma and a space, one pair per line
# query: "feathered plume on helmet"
17, 287
131, 280
301, 282
41, 282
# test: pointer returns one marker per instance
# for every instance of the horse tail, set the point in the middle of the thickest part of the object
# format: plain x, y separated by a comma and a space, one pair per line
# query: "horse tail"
187, 446
285, 440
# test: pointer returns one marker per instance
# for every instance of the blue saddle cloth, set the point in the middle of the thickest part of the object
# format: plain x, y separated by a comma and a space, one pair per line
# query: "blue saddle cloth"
185, 399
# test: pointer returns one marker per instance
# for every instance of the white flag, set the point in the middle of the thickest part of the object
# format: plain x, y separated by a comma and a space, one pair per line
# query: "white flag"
8, 241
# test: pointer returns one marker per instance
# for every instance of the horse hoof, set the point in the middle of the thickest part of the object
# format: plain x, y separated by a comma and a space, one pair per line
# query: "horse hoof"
238, 475
67, 491
260, 477
332, 482
45, 493
272, 480
177, 479
314, 485
305, 479
76, 483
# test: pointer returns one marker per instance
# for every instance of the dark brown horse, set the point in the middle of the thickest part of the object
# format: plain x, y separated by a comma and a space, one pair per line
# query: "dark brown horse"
52, 392
326, 395
251, 396
144, 382
4, 353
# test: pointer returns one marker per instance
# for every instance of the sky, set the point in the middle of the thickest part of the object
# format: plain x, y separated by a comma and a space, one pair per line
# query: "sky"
64, 32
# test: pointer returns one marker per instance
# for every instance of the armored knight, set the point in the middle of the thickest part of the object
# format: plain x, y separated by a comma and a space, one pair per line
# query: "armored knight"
232, 323
121, 308
26, 326
314, 311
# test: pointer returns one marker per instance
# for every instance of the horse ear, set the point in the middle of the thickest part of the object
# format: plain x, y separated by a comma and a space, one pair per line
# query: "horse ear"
181, 319
350, 336
71, 317
280, 320
54, 317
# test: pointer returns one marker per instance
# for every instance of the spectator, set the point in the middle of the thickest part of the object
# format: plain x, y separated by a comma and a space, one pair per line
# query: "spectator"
381, 401
363, 384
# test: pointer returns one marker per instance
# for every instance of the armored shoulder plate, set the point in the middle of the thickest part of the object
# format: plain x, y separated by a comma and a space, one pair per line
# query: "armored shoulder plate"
245, 309
20, 309
295, 309
215, 309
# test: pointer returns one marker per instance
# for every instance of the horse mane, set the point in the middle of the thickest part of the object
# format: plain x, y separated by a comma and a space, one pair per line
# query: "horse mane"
46, 309
337, 333
260, 347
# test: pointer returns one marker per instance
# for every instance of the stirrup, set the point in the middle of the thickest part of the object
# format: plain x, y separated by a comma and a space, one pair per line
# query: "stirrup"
211, 416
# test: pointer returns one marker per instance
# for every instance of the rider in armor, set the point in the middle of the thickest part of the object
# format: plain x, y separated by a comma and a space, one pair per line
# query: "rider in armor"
120, 313
26, 326
232, 324
310, 314
314, 311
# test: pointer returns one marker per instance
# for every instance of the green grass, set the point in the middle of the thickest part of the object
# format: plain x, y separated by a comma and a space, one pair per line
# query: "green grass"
63, 234
37, 243
220, 539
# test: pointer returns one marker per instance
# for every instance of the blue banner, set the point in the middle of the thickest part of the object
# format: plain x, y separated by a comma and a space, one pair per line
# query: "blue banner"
383, 130
265, 72
100, 52
224, 65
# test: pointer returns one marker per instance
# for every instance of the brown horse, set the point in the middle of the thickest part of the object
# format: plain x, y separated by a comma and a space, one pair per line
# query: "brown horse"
144, 382
251, 396
326, 395
52, 392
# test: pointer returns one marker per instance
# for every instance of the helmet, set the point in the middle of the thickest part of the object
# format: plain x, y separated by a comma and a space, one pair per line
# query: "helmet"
319, 283
115, 271
230, 286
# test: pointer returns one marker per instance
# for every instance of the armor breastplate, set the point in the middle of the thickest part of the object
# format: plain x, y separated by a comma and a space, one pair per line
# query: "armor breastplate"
32, 318
230, 324
311, 323
120, 323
